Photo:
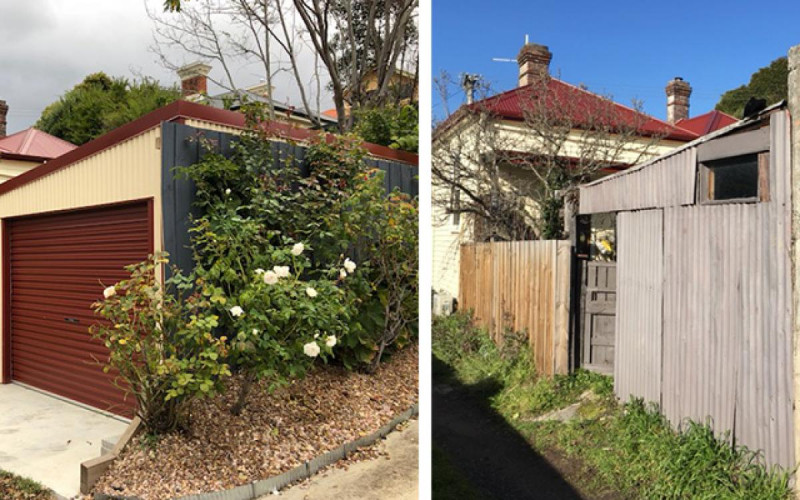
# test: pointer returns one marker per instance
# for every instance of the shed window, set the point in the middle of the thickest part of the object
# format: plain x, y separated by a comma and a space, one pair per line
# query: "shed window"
738, 178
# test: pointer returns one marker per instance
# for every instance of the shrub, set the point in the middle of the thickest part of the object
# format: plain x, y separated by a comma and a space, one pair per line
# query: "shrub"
282, 322
160, 343
249, 210
394, 261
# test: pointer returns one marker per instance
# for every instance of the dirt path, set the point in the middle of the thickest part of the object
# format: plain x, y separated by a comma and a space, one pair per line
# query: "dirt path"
495, 458
380, 479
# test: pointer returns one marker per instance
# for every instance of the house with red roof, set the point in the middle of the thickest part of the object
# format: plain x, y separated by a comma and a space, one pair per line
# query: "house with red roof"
26, 149
509, 121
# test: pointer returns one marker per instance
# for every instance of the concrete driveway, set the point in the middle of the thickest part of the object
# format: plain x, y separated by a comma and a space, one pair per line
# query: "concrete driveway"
46, 439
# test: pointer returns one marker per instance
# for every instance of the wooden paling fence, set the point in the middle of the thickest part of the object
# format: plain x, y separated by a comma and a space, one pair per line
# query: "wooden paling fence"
523, 286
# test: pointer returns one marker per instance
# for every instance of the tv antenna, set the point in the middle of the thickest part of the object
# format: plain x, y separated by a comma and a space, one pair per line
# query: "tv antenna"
468, 83
508, 59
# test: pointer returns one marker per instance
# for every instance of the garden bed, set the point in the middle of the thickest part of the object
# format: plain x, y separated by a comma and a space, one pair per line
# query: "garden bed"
13, 487
275, 433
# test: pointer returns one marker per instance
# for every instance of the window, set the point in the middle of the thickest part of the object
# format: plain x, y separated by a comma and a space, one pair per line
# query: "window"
455, 192
740, 178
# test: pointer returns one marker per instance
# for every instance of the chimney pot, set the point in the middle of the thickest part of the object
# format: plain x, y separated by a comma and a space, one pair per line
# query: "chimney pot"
678, 91
3, 113
194, 78
534, 63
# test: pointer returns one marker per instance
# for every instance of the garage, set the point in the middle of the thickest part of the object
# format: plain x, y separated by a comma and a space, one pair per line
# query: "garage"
58, 265
69, 226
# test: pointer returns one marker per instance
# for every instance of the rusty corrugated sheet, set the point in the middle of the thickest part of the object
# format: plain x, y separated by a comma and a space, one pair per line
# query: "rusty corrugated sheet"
666, 183
637, 344
726, 311
522, 286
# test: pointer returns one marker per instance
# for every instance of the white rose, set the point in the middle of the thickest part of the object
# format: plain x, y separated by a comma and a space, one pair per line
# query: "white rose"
330, 341
228, 191
298, 248
281, 271
259, 271
349, 265
109, 292
311, 292
270, 277
342, 274
236, 311
255, 331
311, 349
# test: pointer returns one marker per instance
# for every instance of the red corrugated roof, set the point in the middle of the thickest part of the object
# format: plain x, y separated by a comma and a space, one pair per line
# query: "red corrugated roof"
35, 143
582, 105
707, 122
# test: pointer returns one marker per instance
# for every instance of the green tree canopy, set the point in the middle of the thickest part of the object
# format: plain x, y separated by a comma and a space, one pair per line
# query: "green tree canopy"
767, 83
393, 126
101, 103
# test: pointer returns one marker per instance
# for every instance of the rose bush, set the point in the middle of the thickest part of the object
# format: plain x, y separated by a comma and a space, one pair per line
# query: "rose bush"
334, 213
160, 343
281, 321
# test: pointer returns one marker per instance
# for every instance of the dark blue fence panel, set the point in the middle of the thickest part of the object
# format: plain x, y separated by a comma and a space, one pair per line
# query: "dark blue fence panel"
183, 145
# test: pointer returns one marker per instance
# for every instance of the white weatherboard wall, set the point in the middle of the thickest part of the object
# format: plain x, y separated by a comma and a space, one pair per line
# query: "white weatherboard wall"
446, 243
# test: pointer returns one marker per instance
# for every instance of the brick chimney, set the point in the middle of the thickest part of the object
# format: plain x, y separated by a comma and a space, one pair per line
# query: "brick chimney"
3, 113
534, 63
194, 78
678, 92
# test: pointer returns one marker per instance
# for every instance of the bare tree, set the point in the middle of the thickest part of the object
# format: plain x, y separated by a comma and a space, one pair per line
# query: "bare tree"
513, 177
351, 39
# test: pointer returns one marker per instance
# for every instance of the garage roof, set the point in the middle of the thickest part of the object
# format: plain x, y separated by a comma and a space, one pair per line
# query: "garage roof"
181, 111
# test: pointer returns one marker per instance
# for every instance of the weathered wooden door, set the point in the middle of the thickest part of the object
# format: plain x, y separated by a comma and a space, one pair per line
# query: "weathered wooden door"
598, 306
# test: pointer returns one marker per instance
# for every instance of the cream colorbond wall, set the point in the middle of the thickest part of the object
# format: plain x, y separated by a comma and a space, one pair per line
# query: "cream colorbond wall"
129, 170
214, 126
12, 168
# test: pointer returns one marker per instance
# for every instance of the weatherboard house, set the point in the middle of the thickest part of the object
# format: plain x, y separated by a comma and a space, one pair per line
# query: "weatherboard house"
26, 149
507, 112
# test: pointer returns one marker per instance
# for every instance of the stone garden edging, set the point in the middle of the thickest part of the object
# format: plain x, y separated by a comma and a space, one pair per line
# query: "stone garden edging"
303, 471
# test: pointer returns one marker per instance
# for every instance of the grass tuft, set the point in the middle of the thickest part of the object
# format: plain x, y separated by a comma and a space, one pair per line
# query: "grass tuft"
13, 487
629, 450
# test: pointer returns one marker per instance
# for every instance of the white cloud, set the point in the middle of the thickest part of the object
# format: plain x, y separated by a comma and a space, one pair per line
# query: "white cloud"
48, 46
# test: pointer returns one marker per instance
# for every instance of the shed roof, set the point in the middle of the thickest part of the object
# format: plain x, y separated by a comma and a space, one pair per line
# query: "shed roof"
35, 144
180, 111
683, 147
667, 180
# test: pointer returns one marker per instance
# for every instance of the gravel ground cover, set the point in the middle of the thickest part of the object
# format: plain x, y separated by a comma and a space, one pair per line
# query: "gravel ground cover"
275, 433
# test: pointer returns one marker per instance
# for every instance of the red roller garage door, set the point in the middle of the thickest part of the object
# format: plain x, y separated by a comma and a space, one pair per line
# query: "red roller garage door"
57, 264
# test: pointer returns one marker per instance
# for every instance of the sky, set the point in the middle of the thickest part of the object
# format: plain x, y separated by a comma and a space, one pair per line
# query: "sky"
626, 49
48, 46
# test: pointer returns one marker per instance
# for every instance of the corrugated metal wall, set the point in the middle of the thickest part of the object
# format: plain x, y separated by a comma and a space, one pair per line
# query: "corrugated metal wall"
726, 334
666, 183
637, 343
522, 286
